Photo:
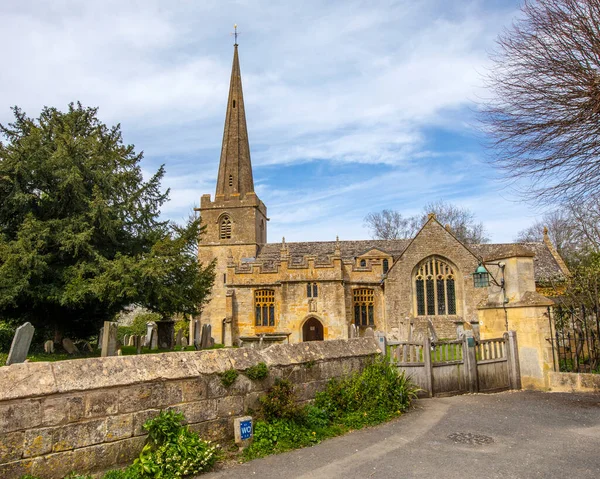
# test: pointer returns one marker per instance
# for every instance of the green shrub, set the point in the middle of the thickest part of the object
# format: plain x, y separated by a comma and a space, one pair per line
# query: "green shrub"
280, 401
7, 333
172, 450
372, 396
257, 372
229, 377
138, 325
376, 394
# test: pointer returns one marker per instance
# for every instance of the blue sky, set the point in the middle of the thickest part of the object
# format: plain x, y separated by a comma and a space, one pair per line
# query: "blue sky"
352, 106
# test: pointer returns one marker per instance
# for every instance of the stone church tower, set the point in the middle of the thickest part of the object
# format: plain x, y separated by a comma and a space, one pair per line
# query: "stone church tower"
236, 221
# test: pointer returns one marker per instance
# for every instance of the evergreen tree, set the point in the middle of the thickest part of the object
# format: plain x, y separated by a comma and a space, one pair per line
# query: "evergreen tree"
80, 235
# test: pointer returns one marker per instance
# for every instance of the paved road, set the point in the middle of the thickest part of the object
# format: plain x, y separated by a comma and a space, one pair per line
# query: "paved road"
512, 434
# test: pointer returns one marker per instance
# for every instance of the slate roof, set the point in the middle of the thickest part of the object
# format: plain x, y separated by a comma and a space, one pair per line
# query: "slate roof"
322, 250
545, 266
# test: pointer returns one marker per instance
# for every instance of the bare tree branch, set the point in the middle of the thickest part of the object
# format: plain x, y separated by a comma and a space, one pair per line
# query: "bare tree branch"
544, 117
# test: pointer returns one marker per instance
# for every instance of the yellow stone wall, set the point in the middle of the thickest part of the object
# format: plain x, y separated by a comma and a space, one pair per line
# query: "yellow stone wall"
532, 327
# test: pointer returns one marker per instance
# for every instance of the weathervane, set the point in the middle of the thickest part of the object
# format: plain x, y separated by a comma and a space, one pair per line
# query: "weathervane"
235, 34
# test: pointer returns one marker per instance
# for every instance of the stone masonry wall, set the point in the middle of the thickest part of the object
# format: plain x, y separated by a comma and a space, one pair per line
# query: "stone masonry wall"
87, 415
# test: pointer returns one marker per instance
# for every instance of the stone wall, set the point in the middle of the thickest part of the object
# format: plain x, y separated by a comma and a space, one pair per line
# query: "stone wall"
574, 382
87, 414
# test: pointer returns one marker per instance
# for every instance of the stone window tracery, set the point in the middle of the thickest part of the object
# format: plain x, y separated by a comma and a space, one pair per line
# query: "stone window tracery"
225, 228
264, 306
312, 290
363, 307
435, 288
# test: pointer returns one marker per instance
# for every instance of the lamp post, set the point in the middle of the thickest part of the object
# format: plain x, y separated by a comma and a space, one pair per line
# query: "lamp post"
482, 279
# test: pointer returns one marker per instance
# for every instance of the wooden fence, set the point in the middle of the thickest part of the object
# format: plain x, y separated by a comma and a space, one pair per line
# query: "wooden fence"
447, 368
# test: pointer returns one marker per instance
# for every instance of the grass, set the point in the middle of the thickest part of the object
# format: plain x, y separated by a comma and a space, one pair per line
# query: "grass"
126, 350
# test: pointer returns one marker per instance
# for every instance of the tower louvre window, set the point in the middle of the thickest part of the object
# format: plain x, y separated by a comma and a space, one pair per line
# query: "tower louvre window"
264, 305
225, 228
233, 103
230, 180
435, 288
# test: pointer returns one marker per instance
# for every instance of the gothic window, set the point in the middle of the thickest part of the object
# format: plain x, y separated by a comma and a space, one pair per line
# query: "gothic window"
225, 228
312, 290
363, 307
386, 266
233, 103
435, 290
264, 306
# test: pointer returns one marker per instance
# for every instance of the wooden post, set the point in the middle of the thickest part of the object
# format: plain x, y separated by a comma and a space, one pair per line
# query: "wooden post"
470, 361
512, 353
428, 369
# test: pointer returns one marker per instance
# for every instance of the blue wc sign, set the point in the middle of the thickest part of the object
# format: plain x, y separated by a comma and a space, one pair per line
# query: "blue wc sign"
243, 429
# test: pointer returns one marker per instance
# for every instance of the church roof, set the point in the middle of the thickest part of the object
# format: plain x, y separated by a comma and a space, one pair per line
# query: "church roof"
545, 265
322, 250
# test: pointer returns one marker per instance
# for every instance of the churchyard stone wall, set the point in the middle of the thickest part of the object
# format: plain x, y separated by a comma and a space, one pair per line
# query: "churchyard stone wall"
87, 414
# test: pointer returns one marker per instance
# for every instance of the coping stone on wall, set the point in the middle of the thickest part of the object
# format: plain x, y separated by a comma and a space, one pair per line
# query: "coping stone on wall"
39, 379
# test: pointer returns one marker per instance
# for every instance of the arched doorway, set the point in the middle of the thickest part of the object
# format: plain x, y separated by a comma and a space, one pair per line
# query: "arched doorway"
312, 330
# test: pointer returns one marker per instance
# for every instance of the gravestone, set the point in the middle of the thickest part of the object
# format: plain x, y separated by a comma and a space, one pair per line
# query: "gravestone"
109, 339
149, 328
381, 341
184, 342
197, 333
100, 335
179, 337
132, 339
126, 340
69, 346
166, 334
353, 331
49, 346
88, 347
369, 333
206, 335
432, 334
191, 330
211, 342
20, 344
154, 338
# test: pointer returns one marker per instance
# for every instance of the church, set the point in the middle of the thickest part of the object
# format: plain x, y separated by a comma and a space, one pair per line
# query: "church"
310, 291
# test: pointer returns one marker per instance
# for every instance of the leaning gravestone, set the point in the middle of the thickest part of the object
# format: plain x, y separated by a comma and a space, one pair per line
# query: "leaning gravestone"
178, 337
109, 339
20, 344
69, 346
49, 346
154, 338
184, 342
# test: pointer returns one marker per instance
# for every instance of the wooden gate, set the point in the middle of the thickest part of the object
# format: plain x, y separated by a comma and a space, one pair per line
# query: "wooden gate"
447, 368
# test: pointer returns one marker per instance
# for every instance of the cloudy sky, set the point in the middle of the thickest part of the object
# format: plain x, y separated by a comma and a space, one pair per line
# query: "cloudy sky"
352, 106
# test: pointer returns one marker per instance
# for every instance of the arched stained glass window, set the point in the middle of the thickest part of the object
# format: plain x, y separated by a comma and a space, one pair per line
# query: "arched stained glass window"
435, 288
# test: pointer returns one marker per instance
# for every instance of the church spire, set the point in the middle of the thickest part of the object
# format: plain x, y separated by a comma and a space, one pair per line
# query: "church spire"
235, 168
